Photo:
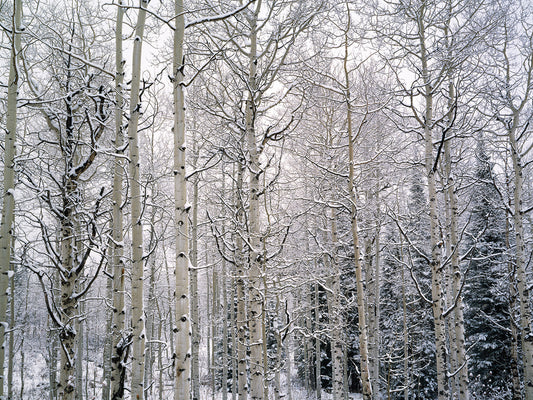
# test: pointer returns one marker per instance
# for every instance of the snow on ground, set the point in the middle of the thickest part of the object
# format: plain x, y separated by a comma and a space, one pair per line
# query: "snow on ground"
36, 383
298, 393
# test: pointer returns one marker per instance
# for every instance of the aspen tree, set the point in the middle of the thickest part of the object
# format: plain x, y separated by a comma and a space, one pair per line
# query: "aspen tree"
456, 300
318, 351
361, 308
511, 268
137, 307
195, 321
182, 358
240, 318
12, 321
512, 111
255, 311
151, 299
120, 341
73, 250
260, 57
225, 306
334, 312
436, 50
458, 333
436, 244
405, 330
277, 373
106, 354
521, 278
8, 205
288, 348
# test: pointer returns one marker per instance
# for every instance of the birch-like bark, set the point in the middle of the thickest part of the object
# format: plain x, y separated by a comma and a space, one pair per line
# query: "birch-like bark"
137, 309
511, 268
80, 341
225, 331
225, 306
52, 341
151, 300
373, 290
406, 378
450, 322
149, 313
8, 206
361, 308
106, 362
318, 351
363, 336
182, 385
512, 125
520, 246
241, 321
209, 326
277, 372
195, 322
233, 327
264, 348
160, 386
12, 322
377, 310
515, 103
170, 295
255, 319
459, 329
119, 345
335, 318
288, 348
68, 254
457, 335
436, 244
213, 320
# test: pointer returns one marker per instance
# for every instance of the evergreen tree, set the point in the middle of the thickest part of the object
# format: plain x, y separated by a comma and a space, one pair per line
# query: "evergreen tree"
487, 311
421, 334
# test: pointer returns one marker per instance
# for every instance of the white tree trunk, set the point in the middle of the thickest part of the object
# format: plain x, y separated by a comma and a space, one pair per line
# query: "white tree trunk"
436, 244
511, 268
521, 278
406, 374
318, 352
459, 330
106, 362
80, 342
377, 310
457, 334
226, 320
119, 344
241, 321
149, 357
213, 322
335, 317
288, 348
182, 385
361, 298
137, 308
12, 322
195, 322
436, 269
8, 207
69, 253
255, 319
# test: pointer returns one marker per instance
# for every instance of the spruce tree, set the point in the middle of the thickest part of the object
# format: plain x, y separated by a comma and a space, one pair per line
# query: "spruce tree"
487, 311
420, 321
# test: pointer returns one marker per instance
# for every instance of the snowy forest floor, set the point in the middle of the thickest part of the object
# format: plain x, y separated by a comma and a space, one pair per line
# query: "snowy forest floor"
36, 383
